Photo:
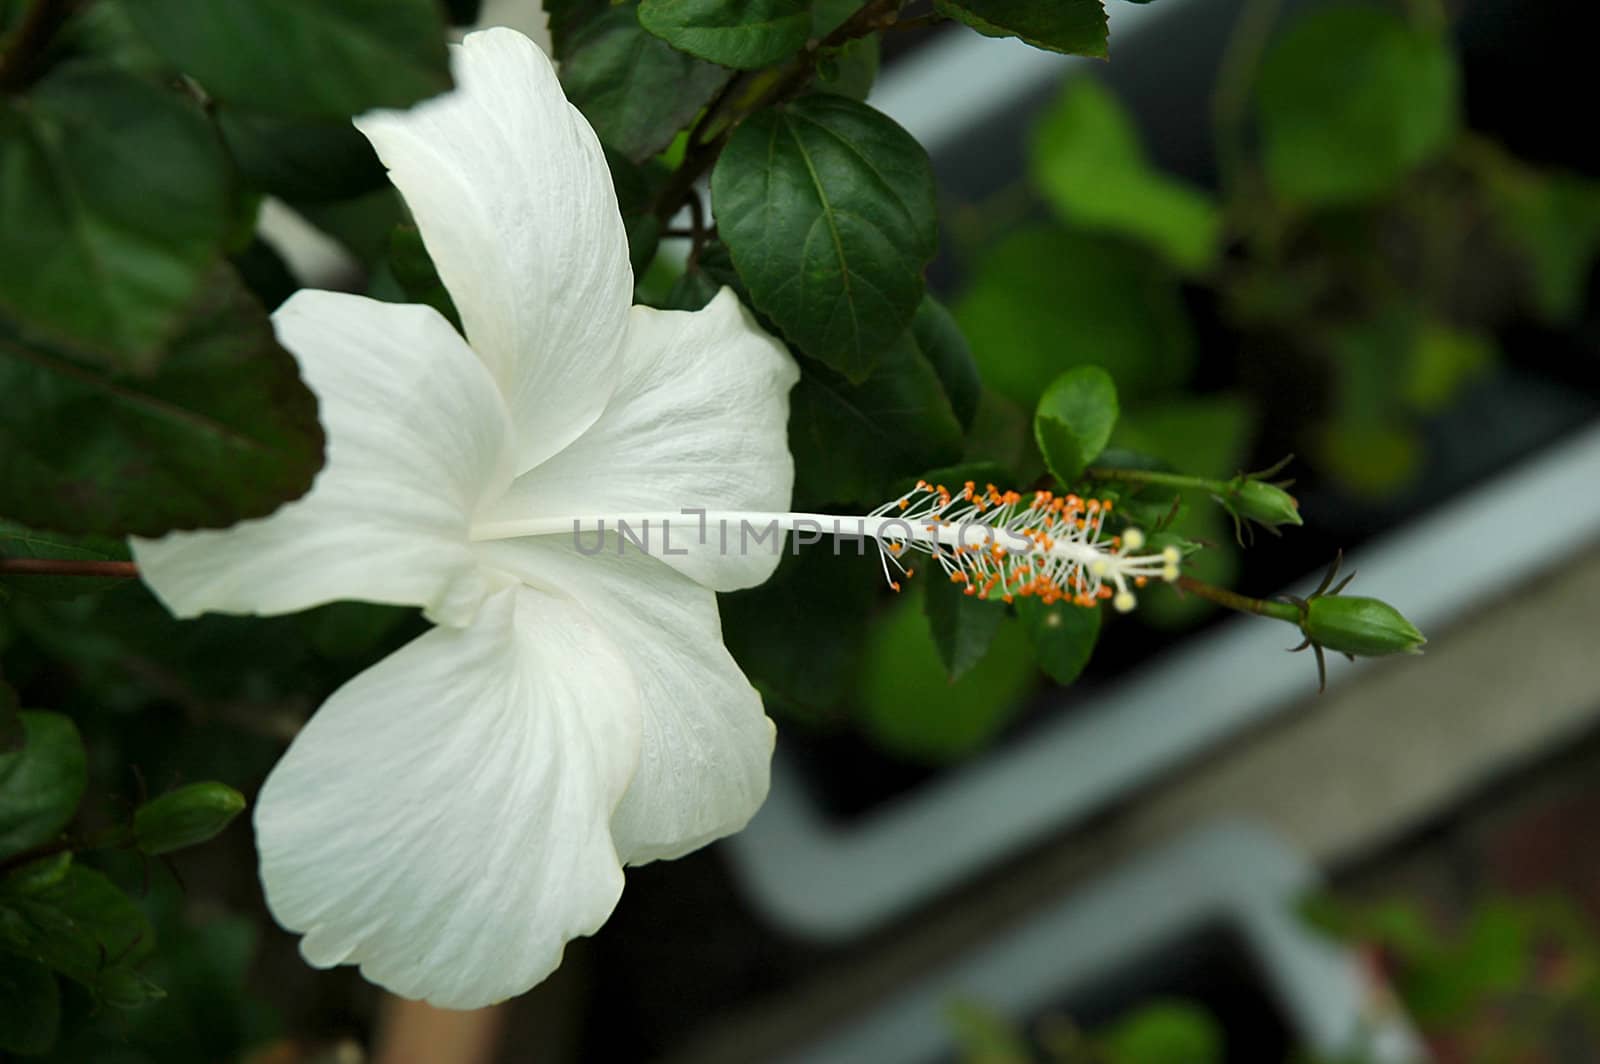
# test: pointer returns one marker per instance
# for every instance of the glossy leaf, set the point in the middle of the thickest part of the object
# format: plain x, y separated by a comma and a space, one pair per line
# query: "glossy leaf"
311, 58
113, 206
828, 209
1074, 420
743, 34
1352, 99
224, 431
1077, 27
41, 783
1089, 164
635, 88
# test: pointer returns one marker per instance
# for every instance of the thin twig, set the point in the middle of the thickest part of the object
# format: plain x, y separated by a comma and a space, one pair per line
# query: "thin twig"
62, 567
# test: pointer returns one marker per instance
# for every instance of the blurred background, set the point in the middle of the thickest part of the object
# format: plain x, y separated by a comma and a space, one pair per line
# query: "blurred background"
1357, 233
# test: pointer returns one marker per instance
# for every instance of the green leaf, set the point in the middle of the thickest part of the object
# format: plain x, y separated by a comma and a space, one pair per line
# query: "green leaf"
635, 88
18, 541
414, 272
1553, 220
830, 596
743, 34
1076, 27
637, 187
963, 625
910, 707
828, 209
30, 1007
851, 70
939, 338
308, 58
1046, 300
1206, 437
1089, 164
301, 159
1351, 100
80, 925
188, 816
113, 205
851, 442
1063, 636
224, 431
1074, 420
12, 735
1165, 1032
40, 784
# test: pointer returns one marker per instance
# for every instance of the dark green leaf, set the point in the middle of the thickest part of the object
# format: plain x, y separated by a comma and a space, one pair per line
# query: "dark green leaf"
828, 209
81, 925
40, 784
311, 58
851, 442
414, 272
12, 735
851, 70
1074, 420
941, 342
188, 816
1063, 636
831, 597
1047, 300
635, 89
637, 186
963, 625
743, 34
304, 159
30, 1006
1351, 100
224, 431
1088, 162
18, 541
909, 705
1077, 27
113, 205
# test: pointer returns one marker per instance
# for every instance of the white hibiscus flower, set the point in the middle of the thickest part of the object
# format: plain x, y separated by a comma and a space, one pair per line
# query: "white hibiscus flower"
453, 816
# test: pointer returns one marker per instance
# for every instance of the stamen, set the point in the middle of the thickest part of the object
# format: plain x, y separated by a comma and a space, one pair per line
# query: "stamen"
1002, 544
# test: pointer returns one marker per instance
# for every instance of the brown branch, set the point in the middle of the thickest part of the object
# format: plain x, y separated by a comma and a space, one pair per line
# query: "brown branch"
872, 16
61, 567
23, 61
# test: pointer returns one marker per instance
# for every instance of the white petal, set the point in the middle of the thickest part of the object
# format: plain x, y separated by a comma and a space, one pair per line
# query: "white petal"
417, 436
707, 753
511, 192
700, 419
443, 821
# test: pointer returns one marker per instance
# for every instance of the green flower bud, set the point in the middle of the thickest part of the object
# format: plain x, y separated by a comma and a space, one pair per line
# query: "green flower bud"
1363, 627
189, 815
1266, 504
